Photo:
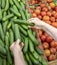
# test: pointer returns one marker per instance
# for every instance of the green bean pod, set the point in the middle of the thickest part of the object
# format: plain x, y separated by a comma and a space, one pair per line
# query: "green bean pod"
15, 8
17, 32
31, 36
23, 31
11, 36
31, 46
3, 3
1, 32
7, 17
0, 14
4, 24
28, 59
25, 49
14, 12
11, 2
7, 5
1, 43
4, 62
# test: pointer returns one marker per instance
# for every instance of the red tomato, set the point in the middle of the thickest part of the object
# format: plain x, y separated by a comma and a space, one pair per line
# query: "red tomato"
42, 5
40, 17
52, 44
54, 24
38, 7
45, 9
52, 19
34, 15
47, 52
43, 38
48, 13
53, 50
56, 48
33, 2
55, 15
52, 57
56, 8
56, 20
45, 45
55, 43
46, 18
52, 5
37, 11
49, 1
49, 39
43, 13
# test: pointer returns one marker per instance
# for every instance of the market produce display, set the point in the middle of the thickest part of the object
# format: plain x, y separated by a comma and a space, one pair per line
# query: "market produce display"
46, 10
13, 26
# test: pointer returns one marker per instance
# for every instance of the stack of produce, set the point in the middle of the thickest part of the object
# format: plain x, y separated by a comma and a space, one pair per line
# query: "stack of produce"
13, 26
47, 11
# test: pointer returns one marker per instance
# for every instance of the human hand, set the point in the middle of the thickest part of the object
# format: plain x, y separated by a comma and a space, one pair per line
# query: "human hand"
16, 46
38, 23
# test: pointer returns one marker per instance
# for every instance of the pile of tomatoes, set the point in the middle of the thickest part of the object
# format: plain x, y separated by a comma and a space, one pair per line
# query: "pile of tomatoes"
48, 13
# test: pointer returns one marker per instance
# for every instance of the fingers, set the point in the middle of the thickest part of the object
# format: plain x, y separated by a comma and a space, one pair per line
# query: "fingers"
22, 45
12, 46
17, 45
32, 20
17, 42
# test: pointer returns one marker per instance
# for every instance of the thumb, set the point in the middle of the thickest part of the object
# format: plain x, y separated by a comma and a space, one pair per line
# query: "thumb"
17, 42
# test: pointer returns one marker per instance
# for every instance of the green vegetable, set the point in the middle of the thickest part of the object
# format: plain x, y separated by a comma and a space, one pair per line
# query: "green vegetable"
35, 55
9, 25
11, 2
4, 62
2, 50
34, 33
1, 32
0, 2
27, 14
24, 27
3, 3
11, 36
22, 5
44, 62
5, 26
15, 8
31, 46
23, 31
7, 17
1, 43
28, 59
0, 14
1, 61
14, 12
17, 32
7, 5
25, 49
33, 59
31, 36
17, 4
39, 51
9, 59
18, 21
7, 39
4, 14
2, 56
